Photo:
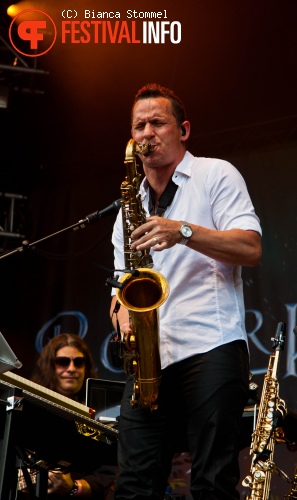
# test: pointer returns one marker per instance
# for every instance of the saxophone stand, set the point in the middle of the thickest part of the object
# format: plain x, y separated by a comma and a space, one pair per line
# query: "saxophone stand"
81, 224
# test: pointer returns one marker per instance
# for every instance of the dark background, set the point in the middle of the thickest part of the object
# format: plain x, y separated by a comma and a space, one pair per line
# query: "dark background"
62, 144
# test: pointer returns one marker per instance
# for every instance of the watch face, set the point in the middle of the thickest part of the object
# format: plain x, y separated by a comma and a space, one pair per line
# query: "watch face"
186, 231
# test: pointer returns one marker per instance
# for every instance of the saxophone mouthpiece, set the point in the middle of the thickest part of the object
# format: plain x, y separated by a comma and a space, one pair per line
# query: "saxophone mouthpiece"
145, 149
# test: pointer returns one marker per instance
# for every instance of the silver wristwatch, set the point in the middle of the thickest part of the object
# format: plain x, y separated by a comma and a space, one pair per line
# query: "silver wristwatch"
186, 233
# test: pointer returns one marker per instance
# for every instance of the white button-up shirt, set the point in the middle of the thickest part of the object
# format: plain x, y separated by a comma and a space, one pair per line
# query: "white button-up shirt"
205, 307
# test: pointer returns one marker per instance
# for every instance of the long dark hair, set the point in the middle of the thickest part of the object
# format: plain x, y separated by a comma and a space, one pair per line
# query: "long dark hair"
45, 374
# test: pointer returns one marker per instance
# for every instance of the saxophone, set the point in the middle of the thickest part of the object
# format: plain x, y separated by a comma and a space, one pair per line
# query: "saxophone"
141, 290
265, 434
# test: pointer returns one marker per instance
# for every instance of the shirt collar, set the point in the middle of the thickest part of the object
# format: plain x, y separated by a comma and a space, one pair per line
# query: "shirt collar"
183, 169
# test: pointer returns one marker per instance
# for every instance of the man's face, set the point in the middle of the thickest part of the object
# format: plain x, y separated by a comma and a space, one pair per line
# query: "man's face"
69, 376
154, 123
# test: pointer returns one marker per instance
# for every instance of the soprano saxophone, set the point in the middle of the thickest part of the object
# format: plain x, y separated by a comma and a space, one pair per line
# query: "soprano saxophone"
265, 434
141, 290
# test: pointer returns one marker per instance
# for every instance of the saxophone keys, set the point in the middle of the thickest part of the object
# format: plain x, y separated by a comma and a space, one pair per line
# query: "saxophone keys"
135, 396
247, 481
136, 390
131, 340
259, 476
133, 366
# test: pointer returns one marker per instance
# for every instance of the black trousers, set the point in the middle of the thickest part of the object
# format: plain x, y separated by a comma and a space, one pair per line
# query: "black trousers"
201, 401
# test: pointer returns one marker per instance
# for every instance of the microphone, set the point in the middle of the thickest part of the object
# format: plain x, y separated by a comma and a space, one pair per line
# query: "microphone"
114, 283
134, 272
100, 214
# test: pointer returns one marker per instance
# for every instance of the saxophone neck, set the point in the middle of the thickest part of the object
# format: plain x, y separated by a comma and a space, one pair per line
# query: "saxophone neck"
133, 213
130, 151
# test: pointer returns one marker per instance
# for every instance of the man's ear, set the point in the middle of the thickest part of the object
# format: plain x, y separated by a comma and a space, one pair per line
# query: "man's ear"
185, 130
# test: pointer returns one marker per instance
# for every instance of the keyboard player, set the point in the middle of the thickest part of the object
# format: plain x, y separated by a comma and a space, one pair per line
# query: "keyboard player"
64, 365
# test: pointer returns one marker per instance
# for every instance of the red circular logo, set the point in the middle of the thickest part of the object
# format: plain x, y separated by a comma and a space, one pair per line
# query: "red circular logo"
32, 32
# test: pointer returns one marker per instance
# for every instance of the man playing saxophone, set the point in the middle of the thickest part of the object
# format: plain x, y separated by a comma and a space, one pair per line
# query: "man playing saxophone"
201, 228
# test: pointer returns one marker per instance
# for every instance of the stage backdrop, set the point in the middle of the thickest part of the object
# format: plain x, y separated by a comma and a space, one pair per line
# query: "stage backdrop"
63, 137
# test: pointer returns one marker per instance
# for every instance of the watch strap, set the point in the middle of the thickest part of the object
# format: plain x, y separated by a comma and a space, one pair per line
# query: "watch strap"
184, 240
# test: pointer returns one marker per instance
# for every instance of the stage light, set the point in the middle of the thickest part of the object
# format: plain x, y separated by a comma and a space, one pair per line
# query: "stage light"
16, 8
12, 10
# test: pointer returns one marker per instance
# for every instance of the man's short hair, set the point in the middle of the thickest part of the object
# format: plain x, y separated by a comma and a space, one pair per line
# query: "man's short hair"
156, 90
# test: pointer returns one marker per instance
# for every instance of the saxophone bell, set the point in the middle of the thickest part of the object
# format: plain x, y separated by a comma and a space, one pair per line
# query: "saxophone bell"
142, 295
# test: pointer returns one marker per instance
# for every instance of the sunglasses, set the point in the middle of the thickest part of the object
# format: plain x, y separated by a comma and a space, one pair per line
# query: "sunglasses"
64, 361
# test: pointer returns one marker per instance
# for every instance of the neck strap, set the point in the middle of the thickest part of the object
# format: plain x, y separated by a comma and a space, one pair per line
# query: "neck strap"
165, 199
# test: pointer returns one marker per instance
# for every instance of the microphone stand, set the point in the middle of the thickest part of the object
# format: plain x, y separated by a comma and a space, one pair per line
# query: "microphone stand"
81, 224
